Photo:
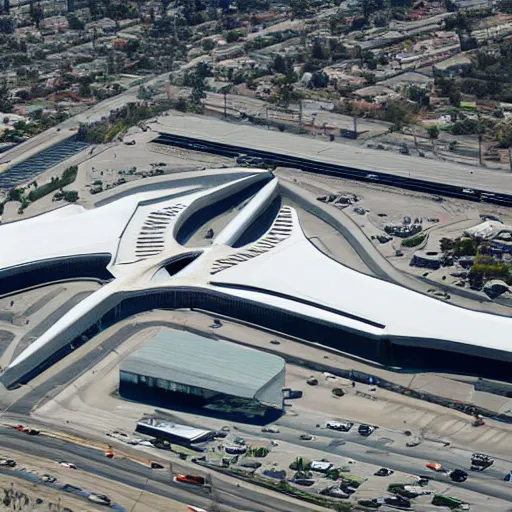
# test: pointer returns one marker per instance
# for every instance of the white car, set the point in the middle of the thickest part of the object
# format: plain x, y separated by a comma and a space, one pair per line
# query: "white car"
468, 191
321, 466
372, 177
101, 499
341, 426
68, 465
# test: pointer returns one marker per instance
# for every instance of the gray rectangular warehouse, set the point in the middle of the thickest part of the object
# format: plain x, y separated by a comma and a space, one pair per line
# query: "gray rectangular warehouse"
181, 366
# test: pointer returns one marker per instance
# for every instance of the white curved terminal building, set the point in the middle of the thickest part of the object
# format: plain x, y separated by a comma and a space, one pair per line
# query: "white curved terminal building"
260, 269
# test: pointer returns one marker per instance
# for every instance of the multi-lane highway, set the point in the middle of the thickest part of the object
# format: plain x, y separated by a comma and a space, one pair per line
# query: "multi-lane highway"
491, 187
134, 474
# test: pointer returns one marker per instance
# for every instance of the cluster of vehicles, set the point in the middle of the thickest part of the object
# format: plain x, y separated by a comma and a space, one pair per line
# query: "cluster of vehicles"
345, 426
479, 462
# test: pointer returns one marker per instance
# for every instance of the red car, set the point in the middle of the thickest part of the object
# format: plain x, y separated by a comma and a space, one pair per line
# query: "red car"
190, 479
435, 466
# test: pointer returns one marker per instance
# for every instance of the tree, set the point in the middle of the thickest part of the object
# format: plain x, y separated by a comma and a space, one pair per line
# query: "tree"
467, 127
143, 93
397, 113
503, 132
233, 35
6, 25
285, 90
319, 79
446, 244
418, 95
74, 22
208, 45
198, 92
317, 51
433, 131
300, 8
36, 13
282, 65
5, 102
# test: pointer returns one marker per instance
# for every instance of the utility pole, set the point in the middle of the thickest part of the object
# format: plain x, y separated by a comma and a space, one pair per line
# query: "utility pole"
225, 103
480, 149
300, 112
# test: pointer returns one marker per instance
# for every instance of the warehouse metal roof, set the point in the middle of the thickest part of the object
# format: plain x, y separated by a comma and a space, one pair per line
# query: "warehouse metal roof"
216, 365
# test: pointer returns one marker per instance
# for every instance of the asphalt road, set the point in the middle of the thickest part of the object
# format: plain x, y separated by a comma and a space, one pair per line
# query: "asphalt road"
141, 477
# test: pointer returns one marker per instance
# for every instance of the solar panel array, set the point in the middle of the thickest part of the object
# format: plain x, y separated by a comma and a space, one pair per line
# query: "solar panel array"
40, 162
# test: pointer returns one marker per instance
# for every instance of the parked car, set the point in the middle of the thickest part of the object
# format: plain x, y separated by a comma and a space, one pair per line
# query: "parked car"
370, 503
384, 472
291, 394
335, 492
10, 463
270, 430
235, 450
340, 426
397, 501
306, 437
366, 430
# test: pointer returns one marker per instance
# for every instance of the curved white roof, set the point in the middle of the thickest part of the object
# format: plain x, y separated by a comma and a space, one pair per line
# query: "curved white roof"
282, 269
295, 268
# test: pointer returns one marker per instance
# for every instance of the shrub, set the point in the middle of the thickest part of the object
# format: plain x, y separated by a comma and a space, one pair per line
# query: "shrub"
71, 196
415, 240
68, 177
465, 247
259, 451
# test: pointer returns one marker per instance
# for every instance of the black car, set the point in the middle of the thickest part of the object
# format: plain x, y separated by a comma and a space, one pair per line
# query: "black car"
366, 430
384, 472
369, 503
457, 475
397, 501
